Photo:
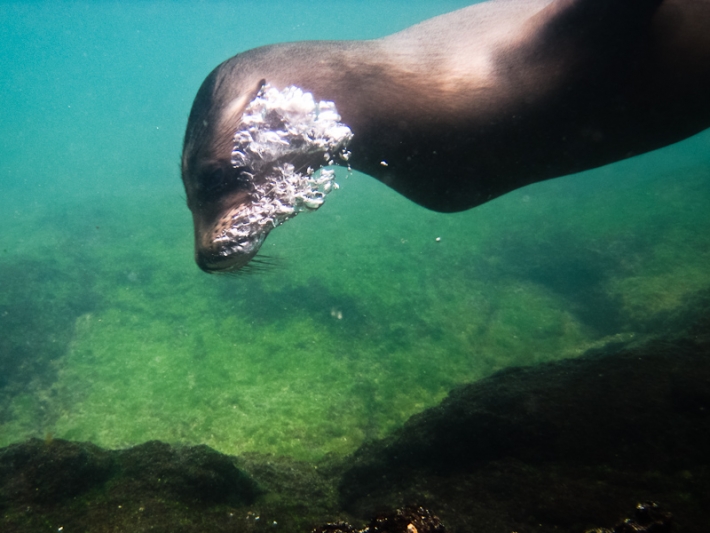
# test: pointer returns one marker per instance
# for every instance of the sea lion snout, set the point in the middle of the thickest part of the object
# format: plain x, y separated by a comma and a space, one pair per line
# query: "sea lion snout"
224, 239
214, 263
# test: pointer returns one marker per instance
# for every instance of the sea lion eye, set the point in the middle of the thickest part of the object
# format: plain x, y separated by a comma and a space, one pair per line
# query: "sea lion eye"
219, 181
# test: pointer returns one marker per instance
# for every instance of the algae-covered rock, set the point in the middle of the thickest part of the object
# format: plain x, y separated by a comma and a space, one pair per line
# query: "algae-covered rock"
191, 473
560, 447
617, 407
58, 485
51, 471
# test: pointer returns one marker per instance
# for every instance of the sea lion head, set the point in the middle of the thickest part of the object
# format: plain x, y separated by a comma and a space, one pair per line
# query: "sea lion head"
250, 161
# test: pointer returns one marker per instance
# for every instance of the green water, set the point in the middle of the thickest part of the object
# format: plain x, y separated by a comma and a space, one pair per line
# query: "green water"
372, 309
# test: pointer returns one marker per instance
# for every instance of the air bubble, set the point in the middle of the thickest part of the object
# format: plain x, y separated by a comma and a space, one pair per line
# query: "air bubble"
275, 127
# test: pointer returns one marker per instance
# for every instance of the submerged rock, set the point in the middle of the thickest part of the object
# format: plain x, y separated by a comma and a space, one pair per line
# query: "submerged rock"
191, 473
560, 447
51, 471
649, 517
76, 486
412, 519
640, 407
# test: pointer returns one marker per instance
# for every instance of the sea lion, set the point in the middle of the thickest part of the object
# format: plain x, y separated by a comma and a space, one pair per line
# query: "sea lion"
451, 112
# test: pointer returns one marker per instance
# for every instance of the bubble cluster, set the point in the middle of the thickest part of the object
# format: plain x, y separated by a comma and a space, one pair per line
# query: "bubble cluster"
279, 127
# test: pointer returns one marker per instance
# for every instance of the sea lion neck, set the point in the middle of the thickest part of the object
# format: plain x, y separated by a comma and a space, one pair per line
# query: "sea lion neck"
386, 91
365, 79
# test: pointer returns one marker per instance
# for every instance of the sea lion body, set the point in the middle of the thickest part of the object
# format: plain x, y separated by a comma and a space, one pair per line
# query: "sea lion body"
467, 106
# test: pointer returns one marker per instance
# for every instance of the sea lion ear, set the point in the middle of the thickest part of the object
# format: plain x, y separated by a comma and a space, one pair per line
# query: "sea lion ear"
233, 111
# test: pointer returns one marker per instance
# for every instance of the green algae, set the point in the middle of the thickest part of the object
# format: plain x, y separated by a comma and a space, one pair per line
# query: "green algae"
372, 310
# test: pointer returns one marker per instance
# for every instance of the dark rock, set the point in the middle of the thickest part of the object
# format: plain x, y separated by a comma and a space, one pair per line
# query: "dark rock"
560, 445
39, 471
641, 407
192, 473
51, 471
411, 519
337, 527
649, 517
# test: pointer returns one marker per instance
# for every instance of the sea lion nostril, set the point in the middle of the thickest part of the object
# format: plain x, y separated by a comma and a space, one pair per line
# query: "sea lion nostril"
202, 262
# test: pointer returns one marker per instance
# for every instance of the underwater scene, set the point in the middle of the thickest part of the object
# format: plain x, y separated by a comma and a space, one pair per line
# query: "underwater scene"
357, 316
